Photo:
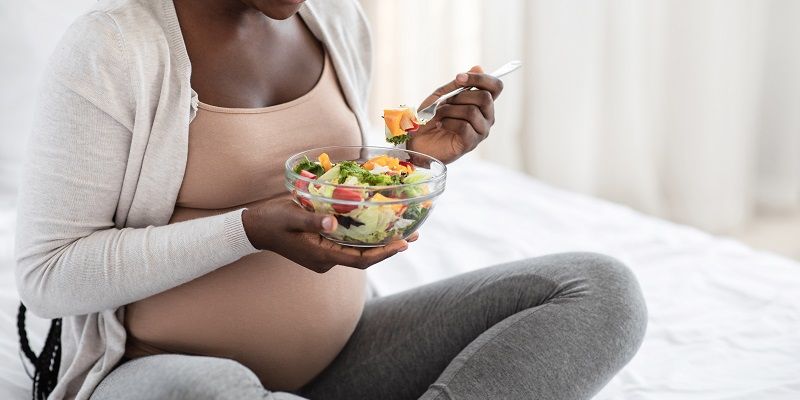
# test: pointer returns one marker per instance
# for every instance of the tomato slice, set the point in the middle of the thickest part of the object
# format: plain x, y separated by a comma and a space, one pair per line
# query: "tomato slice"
306, 203
345, 194
301, 184
409, 166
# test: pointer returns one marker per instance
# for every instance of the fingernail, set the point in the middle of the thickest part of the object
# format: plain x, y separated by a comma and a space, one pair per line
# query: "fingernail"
327, 223
404, 248
462, 78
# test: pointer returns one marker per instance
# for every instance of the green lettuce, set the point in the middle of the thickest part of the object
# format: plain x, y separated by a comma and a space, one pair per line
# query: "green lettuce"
349, 169
398, 140
376, 221
310, 166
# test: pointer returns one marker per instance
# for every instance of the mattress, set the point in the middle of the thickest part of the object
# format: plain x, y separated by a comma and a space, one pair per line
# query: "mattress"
724, 319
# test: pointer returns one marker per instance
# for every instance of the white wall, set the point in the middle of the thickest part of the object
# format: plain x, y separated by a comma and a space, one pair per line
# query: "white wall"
29, 31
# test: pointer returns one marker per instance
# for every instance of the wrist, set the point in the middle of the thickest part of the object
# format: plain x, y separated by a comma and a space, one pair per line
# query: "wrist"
413, 158
251, 222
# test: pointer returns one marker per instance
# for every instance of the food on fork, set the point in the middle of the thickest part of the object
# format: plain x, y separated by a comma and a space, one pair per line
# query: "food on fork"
399, 123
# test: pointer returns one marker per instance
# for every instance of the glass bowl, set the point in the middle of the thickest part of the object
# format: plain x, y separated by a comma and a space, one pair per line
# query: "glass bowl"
369, 216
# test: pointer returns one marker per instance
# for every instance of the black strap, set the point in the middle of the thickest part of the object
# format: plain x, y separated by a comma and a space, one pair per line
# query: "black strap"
46, 364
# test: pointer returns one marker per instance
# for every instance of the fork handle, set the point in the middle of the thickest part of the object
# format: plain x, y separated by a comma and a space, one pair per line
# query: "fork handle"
451, 94
506, 69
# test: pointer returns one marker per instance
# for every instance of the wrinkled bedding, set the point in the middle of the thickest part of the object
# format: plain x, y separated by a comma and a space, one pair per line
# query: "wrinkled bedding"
724, 319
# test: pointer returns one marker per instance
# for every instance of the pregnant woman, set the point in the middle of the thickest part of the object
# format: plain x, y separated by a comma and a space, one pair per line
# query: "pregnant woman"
153, 220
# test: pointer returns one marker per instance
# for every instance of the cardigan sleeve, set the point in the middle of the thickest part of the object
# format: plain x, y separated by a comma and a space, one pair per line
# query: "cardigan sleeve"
71, 259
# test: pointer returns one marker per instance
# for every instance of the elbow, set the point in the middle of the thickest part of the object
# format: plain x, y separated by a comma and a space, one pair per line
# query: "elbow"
37, 296
37, 303
36, 306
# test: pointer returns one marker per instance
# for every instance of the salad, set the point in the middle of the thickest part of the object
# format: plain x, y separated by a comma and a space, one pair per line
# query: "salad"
399, 123
375, 201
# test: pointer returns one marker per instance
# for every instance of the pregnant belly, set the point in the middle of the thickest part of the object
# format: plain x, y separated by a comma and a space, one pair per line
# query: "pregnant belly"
284, 322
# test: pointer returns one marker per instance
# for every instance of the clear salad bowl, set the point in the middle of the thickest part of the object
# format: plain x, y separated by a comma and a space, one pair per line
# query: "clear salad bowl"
377, 194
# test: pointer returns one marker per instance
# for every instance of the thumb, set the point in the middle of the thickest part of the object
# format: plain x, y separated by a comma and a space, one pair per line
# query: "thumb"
300, 220
460, 80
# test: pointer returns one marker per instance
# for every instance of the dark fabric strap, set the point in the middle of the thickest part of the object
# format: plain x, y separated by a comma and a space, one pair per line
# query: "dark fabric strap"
46, 365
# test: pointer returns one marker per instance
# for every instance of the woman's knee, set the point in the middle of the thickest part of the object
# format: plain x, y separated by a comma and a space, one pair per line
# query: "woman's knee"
220, 378
226, 379
181, 377
605, 285
613, 287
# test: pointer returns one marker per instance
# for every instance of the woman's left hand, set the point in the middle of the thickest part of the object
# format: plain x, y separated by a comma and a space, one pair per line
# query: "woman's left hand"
462, 121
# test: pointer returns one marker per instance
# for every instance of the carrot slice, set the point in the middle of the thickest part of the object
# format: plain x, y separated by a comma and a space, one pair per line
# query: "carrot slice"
325, 161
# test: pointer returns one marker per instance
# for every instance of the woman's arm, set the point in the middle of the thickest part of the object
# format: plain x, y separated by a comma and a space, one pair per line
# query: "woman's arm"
70, 257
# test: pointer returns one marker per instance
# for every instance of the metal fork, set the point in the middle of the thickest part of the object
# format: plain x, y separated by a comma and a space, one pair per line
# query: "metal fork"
427, 113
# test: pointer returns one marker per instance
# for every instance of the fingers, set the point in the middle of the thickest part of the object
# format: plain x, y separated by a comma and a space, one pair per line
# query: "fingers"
481, 81
461, 80
300, 220
413, 238
468, 136
378, 254
294, 233
452, 116
362, 259
441, 91
322, 254
481, 99
475, 77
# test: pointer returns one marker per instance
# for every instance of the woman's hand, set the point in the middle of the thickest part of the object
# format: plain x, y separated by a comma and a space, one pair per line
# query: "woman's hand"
462, 121
279, 225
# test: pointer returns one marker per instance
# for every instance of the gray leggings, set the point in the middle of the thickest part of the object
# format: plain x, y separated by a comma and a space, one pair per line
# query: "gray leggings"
553, 327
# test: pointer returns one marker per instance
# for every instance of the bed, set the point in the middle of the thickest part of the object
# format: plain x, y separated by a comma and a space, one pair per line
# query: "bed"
724, 318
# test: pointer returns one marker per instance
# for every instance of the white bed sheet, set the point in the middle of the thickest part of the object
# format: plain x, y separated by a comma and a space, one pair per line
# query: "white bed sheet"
724, 319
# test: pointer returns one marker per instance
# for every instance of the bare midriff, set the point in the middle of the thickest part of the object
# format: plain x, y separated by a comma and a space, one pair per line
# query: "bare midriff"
281, 320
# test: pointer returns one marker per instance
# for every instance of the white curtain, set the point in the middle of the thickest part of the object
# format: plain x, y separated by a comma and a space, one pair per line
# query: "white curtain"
688, 110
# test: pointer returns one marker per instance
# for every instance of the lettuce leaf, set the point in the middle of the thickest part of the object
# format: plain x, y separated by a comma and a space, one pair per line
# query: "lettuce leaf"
375, 222
310, 166
349, 169
330, 175
397, 140
416, 176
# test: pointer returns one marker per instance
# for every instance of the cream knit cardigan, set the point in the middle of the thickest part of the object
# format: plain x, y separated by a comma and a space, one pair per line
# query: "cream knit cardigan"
106, 160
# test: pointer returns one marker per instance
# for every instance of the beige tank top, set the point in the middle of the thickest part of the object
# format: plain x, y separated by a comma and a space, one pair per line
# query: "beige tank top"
283, 321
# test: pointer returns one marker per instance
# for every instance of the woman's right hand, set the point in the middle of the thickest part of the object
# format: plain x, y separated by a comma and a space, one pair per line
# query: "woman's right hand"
279, 225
